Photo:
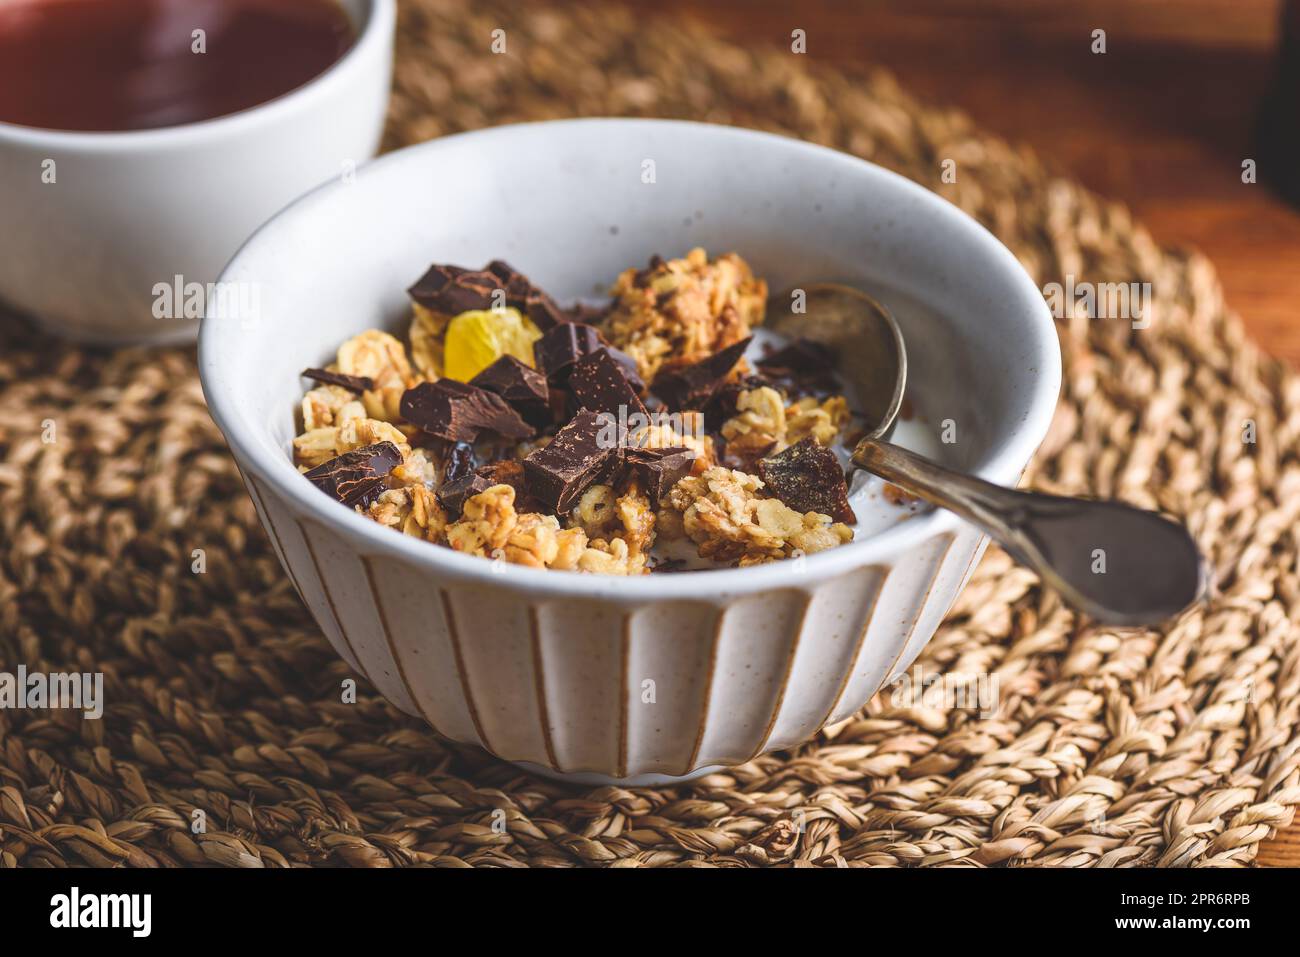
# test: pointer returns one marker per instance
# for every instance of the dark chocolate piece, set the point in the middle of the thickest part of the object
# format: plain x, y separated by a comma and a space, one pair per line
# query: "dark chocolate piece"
599, 382
357, 477
453, 289
458, 411
585, 451
452, 495
807, 477
504, 472
563, 345
523, 388
511, 472
659, 469
808, 365
691, 387
353, 383
561, 403
521, 294
629, 366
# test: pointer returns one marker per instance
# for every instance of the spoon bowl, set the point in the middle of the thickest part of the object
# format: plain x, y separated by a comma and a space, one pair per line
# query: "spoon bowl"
865, 340
1120, 564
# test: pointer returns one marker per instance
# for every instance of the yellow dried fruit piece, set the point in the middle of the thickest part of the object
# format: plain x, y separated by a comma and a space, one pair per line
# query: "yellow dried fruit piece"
479, 338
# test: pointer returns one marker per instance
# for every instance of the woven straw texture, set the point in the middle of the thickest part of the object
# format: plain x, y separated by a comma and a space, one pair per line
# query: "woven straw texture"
1176, 746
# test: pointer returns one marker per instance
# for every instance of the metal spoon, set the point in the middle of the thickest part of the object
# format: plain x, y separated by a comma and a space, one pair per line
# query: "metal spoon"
1117, 563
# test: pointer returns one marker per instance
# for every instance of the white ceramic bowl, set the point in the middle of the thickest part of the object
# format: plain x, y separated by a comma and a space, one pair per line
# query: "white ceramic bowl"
606, 678
85, 254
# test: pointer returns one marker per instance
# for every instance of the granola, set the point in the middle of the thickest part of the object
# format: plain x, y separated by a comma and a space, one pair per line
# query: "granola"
764, 424
724, 514
682, 310
534, 439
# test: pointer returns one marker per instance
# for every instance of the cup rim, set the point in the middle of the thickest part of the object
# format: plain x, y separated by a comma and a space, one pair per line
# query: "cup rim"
1002, 464
380, 21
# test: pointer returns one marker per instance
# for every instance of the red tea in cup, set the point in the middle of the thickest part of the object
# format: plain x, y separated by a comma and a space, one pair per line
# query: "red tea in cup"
144, 64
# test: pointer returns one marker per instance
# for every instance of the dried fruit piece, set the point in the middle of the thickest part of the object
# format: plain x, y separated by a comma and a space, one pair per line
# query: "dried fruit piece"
808, 478
458, 412
357, 477
476, 339
457, 459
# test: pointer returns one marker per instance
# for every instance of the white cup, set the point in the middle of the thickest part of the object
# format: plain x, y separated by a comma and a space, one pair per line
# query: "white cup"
100, 230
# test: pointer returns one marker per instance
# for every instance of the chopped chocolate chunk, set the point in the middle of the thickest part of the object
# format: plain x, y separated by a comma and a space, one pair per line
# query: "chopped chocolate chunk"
600, 383
457, 459
659, 469
523, 388
521, 294
691, 387
563, 345
452, 290
452, 495
504, 472
357, 477
629, 367
807, 477
353, 383
511, 472
458, 411
582, 453
562, 405
808, 365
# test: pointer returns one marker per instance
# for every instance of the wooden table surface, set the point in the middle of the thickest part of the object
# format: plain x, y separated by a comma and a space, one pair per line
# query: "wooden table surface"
1162, 122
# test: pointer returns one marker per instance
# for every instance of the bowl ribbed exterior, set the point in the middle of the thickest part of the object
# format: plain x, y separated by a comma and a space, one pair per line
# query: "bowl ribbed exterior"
610, 688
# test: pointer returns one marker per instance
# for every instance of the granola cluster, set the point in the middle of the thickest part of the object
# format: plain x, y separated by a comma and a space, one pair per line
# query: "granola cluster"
723, 512
508, 428
682, 310
490, 527
764, 423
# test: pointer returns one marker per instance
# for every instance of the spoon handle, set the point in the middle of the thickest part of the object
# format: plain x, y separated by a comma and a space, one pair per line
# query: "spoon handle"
1117, 563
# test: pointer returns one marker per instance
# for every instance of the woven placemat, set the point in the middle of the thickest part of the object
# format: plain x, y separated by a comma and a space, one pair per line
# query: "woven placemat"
1167, 747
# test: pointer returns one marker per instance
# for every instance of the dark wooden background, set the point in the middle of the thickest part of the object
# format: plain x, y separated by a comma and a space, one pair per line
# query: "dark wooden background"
1162, 122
